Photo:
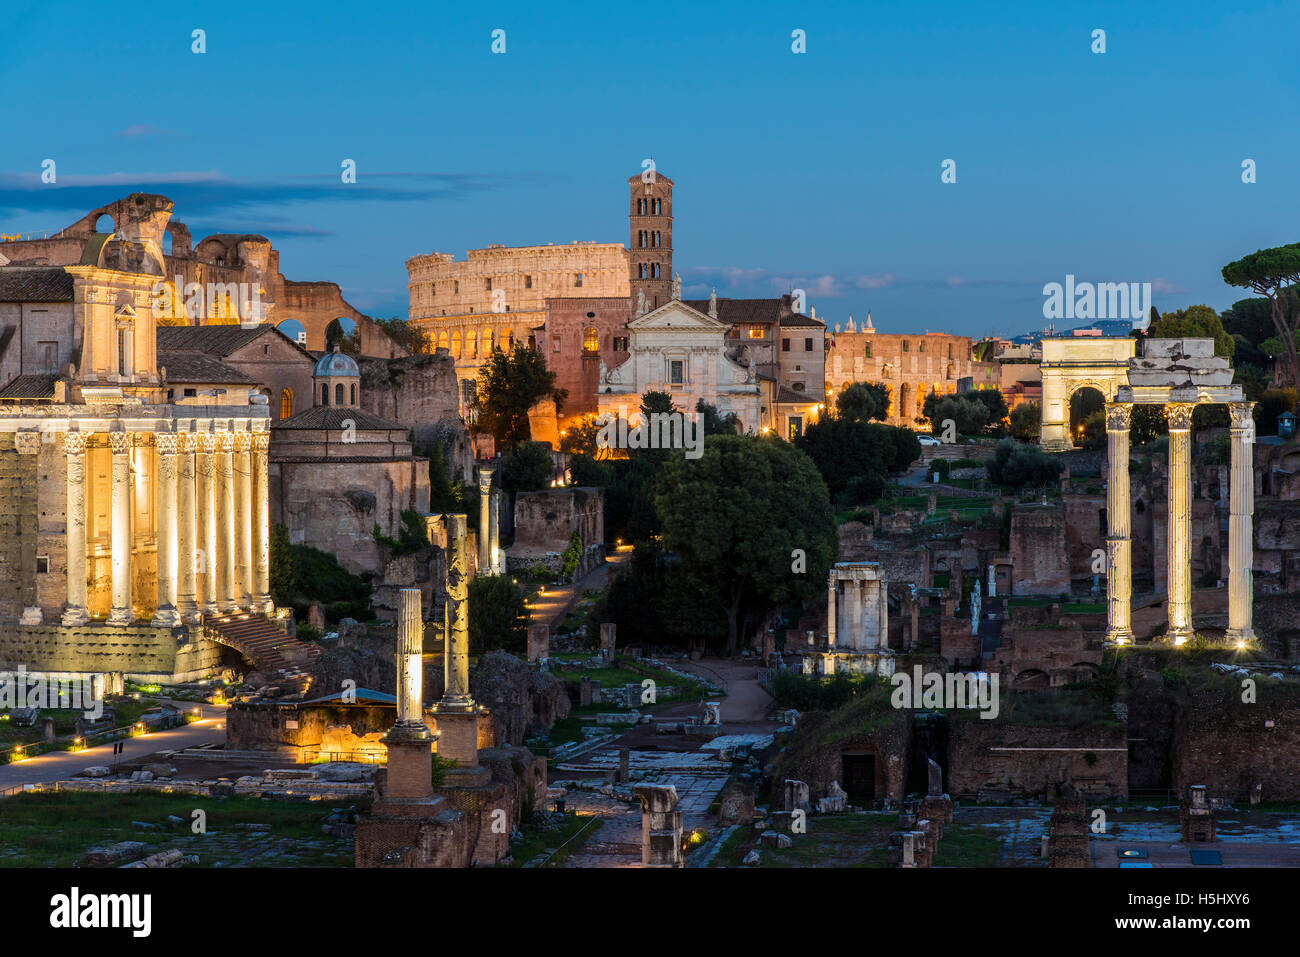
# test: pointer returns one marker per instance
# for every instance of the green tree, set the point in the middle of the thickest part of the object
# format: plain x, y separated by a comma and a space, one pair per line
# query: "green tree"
1194, 322
498, 615
528, 468
582, 438
406, 334
509, 384
970, 415
1027, 421
845, 450
445, 496
735, 518
1147, 423
863, 401
572, 555
994, 401
1272, 273
715, 424
1016, 465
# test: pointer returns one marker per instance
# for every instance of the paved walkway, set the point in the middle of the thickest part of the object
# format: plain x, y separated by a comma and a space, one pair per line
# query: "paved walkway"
550, 609
61, 765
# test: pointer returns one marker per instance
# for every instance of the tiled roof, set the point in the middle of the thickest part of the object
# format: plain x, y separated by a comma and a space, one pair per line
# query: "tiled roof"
785, 395
334, 417
219, 340
184, 365
47, 284
37, 386
755, 311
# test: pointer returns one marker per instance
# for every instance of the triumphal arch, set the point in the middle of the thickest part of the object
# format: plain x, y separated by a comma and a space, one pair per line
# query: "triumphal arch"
1179, 374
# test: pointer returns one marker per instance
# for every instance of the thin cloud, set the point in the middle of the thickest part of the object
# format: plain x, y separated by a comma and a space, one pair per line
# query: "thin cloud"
141, 129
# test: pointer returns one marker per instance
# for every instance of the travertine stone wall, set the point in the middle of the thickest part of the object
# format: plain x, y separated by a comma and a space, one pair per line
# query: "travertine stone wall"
1040, 556
130, 649
1040, 757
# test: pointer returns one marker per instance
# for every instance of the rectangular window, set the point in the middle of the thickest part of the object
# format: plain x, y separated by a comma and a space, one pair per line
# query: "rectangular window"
785, 345
867, 347
42, 564
191, 393
675, 371
807, 345
455, 286
620, 343
756, 332
49, 352
796, 427
487, 283
577, 280
555, 343
528, 282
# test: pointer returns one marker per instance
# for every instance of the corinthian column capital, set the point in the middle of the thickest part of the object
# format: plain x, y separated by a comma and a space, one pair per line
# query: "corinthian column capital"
74, 443
1180, 415
166, 443
1240, 413
261, 441
120, 441
1118, 416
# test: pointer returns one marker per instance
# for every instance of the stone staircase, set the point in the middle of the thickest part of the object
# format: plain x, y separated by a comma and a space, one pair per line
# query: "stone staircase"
261, 641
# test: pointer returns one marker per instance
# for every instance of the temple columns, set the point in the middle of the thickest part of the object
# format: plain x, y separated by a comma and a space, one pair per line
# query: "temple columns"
1178, 551
494, 532
1241, 508
165, 447
207, 506
75, 611
242, 519
121, 528
261, 525
224, 556
186, 528
1119, 545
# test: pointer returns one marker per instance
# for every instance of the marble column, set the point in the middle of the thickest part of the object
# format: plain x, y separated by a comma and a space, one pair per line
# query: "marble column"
1119, 519
121, 528
186, 528
165, 457
207, 508
261, 525
494, 532
456, 696
242, 518
853, 596
75, 612
224, 558
1241, 509
1179, 534
410, 662
484, 521
831, 610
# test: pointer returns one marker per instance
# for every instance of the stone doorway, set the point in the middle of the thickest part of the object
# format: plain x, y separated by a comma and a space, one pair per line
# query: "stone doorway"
859, 776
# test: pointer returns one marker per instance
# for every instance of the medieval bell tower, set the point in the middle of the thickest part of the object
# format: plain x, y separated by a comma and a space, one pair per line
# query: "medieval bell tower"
650, 224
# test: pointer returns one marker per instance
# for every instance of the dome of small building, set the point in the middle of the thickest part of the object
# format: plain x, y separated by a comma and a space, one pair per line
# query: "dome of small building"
336, 364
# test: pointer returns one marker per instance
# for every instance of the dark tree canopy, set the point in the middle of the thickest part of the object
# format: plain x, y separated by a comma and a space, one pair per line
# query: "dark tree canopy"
735, 517
510, 384
1016, 465
498, 615
863, 402
528, 467
1194, 322
1272, 273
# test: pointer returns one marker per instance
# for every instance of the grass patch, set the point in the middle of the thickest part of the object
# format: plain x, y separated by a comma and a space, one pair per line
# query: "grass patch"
55, 829
966, 845
537, 840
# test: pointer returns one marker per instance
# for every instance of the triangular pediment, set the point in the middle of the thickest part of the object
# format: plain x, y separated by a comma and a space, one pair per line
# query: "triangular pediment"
676, 315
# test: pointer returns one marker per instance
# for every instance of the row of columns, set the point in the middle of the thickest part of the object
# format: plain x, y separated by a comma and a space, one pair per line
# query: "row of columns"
212, 517
1119, 545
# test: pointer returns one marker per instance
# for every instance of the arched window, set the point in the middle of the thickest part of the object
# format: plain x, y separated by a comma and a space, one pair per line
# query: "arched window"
286, 403
471, 345
338, 393
353, 391
324, 395
590, 340
455, 343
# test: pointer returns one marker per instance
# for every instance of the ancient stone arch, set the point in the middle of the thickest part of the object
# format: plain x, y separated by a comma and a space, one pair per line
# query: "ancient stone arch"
1076, 363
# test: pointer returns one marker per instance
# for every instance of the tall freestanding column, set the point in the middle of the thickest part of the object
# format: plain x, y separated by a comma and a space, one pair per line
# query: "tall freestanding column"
165, 457
831, 610
1119, 519
261, 524
186, 528
242, 516
1241, 509
75, 612
1179, 541
456, 696
121, 528
484, 521
494, 532
409, 778
207, 501
225, 521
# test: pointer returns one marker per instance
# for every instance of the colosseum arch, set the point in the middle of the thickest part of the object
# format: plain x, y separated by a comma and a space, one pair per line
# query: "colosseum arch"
1075, 363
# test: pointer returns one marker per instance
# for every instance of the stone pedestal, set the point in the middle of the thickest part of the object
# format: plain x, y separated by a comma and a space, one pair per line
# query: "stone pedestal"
458, 736
661, 826
539, 642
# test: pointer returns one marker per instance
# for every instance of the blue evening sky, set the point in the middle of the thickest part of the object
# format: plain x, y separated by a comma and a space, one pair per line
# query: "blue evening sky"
819, 171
